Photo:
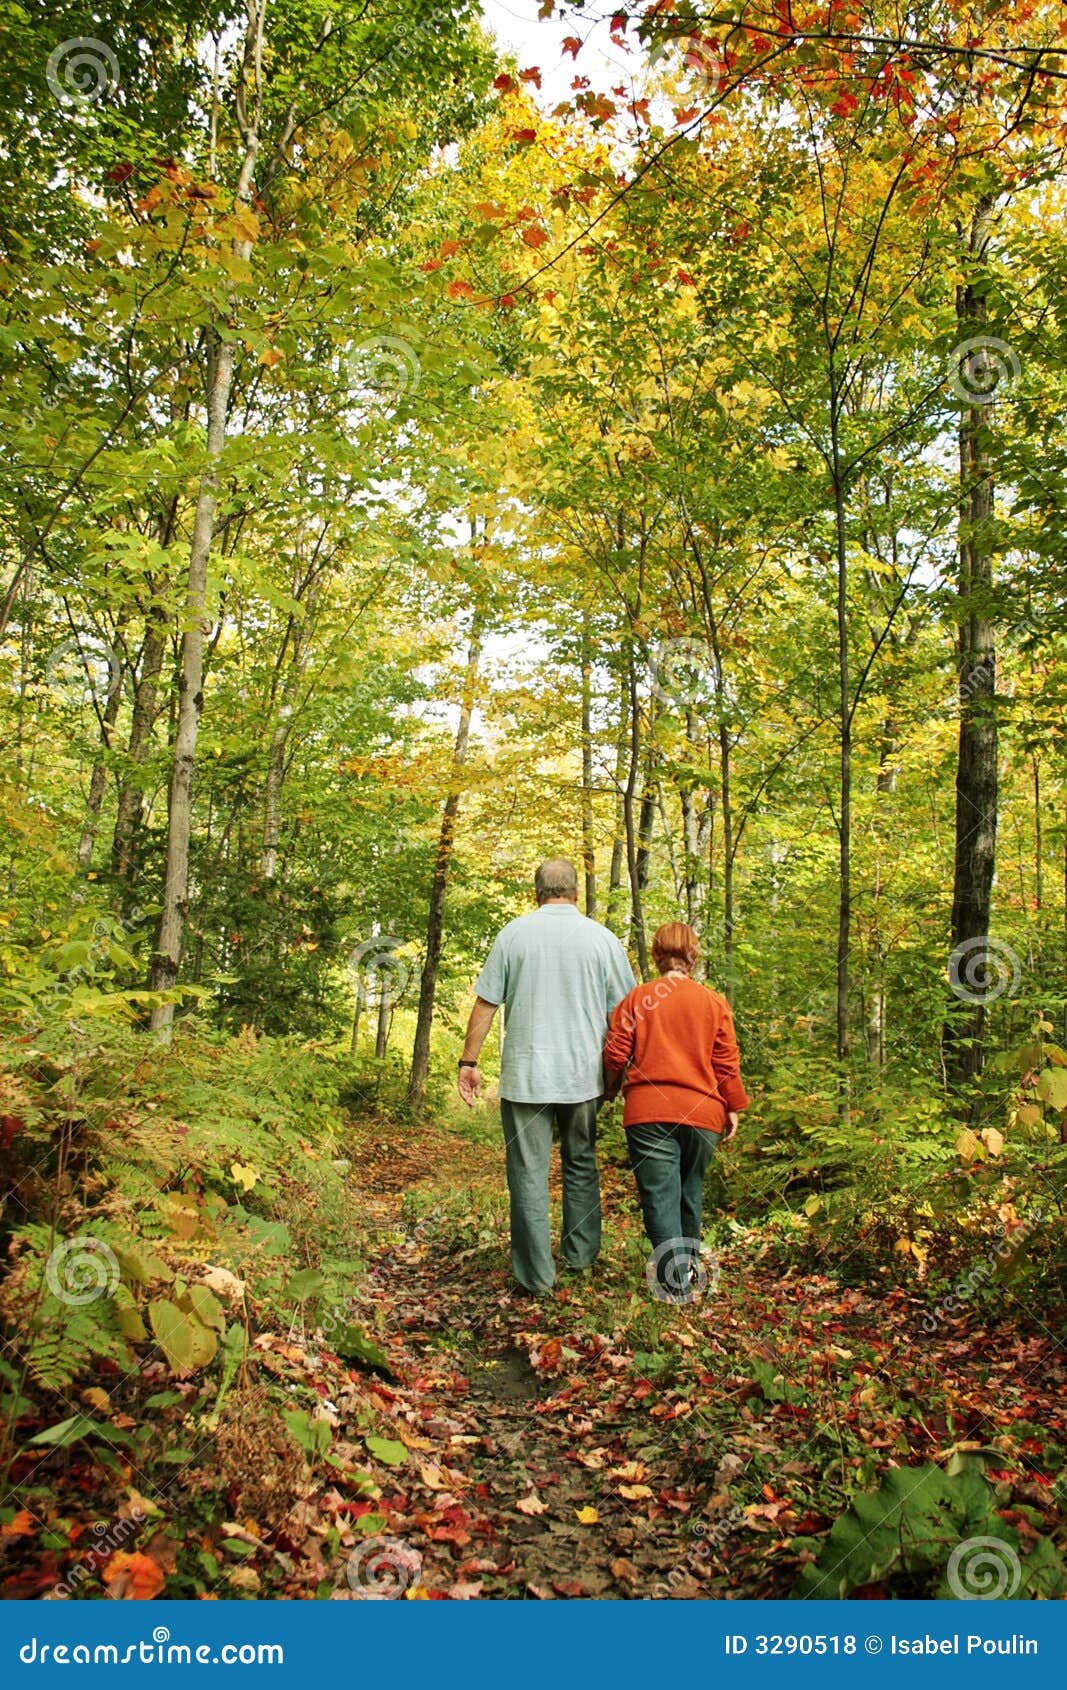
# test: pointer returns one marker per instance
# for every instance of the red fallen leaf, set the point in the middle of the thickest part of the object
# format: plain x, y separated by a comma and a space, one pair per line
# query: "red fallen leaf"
572, 45
567, 1587
524, 137
642, 1390
119, 172
503, 83
450, 1534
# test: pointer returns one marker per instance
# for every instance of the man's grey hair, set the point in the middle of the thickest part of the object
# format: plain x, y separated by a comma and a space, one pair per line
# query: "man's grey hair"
556, 879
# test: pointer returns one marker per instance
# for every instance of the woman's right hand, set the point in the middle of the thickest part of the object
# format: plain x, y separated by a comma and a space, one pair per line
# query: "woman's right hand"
729, 1131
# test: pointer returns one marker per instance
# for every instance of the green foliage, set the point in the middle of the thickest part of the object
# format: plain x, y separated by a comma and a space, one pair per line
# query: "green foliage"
933, 1532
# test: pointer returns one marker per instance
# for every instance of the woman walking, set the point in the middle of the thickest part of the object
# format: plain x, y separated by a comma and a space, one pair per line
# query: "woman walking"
672, 1048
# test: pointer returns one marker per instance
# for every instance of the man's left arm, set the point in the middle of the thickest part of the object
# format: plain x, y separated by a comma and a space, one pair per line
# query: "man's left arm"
470, 1079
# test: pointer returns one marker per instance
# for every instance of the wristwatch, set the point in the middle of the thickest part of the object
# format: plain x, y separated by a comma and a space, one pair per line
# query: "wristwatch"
464, 1063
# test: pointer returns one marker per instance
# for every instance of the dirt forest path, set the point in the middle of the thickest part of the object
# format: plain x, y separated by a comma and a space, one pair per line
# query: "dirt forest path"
596, 1443
534, 1452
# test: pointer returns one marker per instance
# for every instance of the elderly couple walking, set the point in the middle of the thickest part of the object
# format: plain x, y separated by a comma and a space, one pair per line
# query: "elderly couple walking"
577, 1028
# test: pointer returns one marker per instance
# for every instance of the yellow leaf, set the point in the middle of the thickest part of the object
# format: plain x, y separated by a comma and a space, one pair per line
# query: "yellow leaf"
993, 1140
586, 1516
96, 1398
635, 1493
243, 1175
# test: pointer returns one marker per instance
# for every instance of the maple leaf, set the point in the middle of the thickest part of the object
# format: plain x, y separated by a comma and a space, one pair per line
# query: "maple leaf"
460, 290
524, 137
635, 1493
537, 237
530, 1505
587, 1516
533, 74
503, 83
23, 1525
133, 1578
572, 44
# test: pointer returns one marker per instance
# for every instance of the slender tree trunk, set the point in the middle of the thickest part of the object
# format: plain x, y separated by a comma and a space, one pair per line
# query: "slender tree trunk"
588, 820
844, 700
357, 1015
222, 343
976, 773
385, 1016
98, 778
729, 852
129, 814
637, 915
435, 921
618, 844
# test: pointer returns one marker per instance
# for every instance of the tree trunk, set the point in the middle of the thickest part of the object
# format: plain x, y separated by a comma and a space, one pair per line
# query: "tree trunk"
618, 844
976, 774
221, 344
844, 704
435, 921
98, 778
729, 851
637, 913
129, 814
385, 1016
588, 820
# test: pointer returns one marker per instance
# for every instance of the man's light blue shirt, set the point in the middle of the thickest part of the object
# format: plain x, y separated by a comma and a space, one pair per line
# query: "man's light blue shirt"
559, 976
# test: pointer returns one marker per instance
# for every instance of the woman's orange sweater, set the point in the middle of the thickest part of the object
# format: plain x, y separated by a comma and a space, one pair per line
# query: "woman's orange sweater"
675, 1039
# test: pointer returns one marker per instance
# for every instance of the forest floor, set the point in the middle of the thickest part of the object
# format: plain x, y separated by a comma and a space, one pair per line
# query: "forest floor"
590, 1443
597, 1443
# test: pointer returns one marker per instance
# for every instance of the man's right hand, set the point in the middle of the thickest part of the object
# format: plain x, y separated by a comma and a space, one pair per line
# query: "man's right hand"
470, 1086
730, 1128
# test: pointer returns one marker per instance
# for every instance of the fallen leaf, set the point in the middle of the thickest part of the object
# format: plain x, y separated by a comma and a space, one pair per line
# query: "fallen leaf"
530, 1505
586, 1516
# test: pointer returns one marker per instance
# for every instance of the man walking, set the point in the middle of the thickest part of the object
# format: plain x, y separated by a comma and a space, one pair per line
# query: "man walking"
559, 976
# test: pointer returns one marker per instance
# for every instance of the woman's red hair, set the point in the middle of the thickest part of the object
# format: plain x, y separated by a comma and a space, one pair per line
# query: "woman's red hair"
674, 945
